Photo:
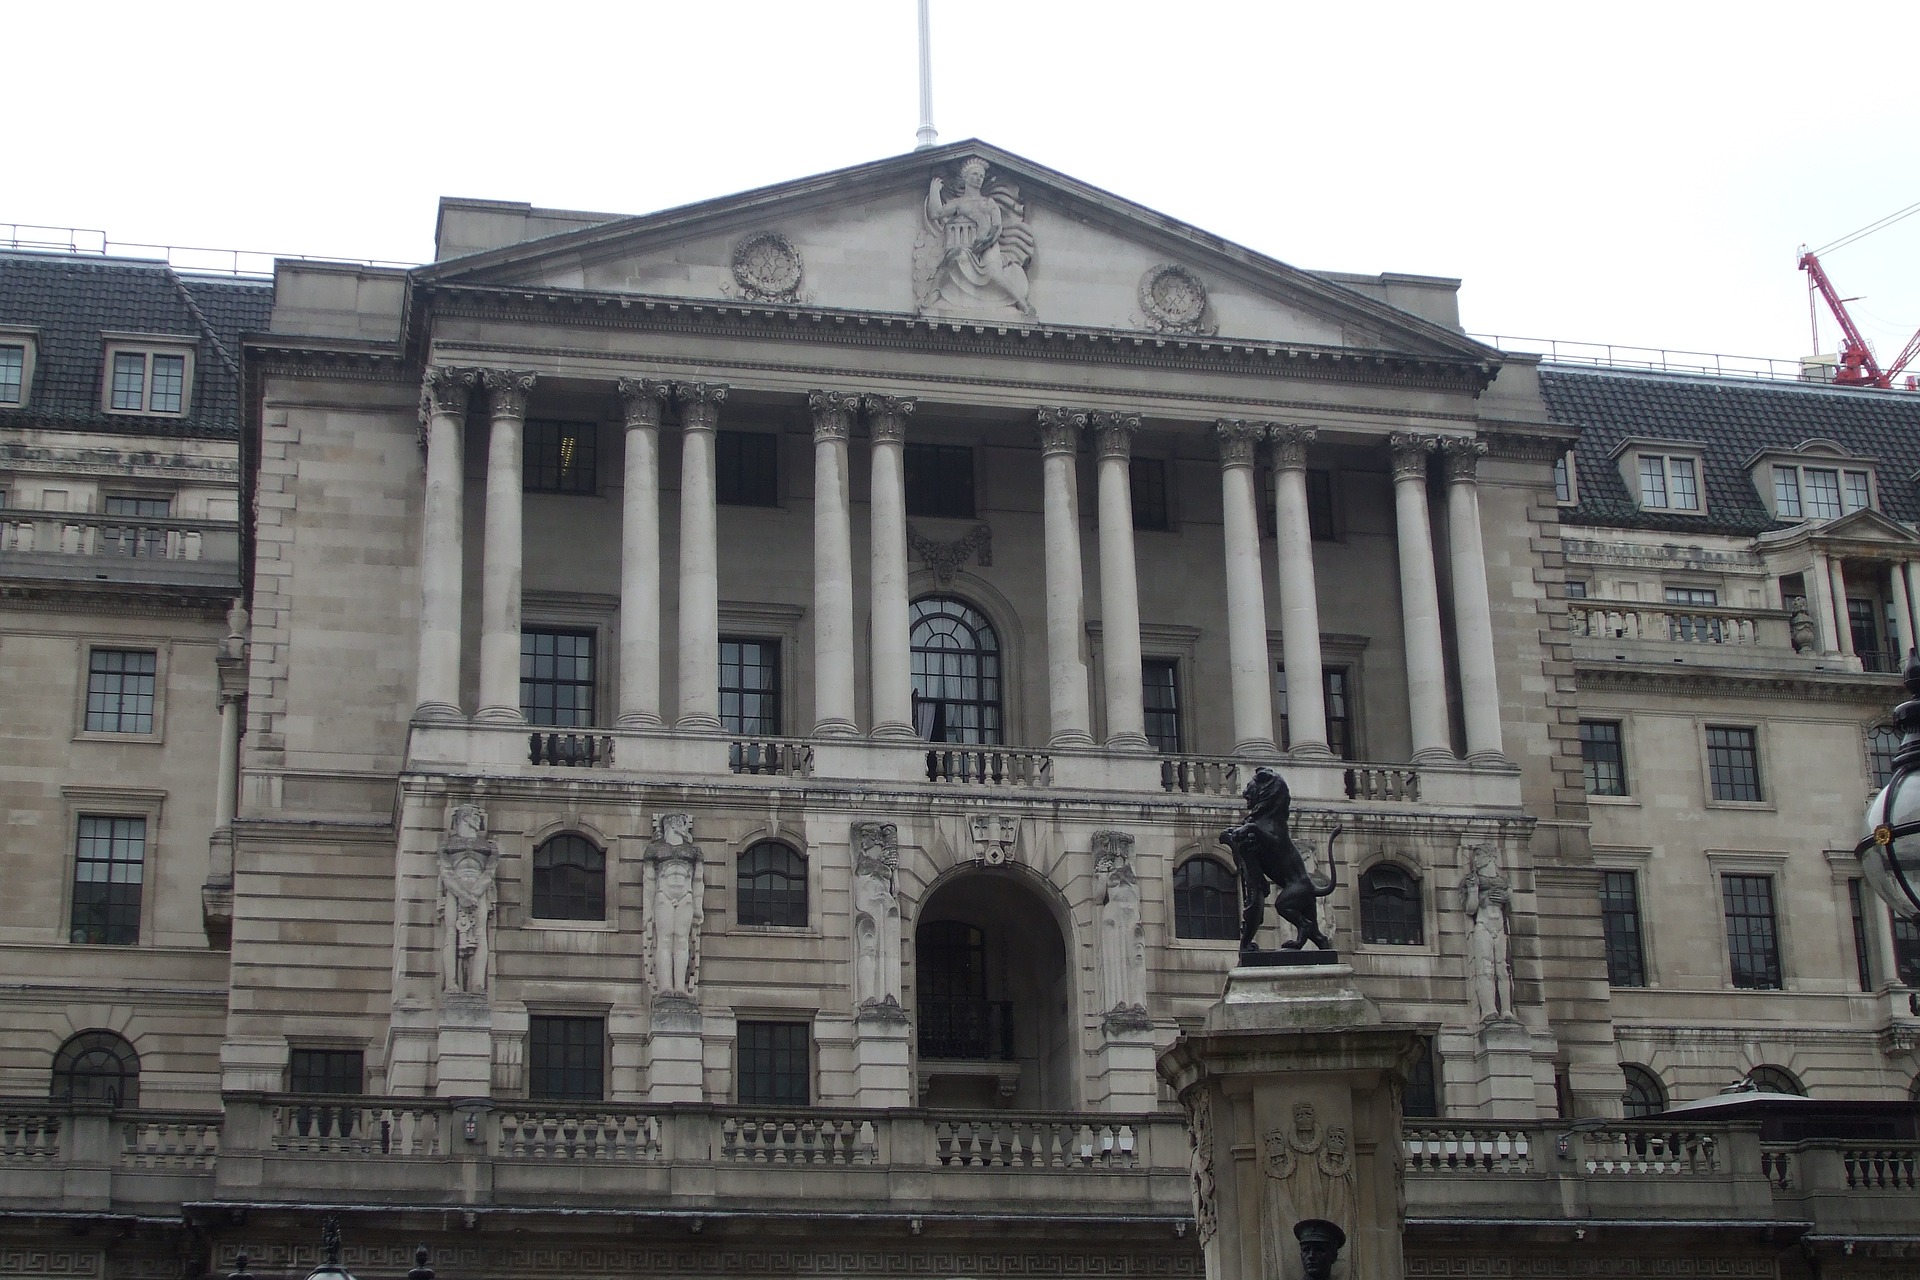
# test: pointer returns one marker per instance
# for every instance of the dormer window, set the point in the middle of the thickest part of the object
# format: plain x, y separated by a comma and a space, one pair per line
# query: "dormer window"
16, 367
1669, 482
147, 378
1818, 481
1565, 491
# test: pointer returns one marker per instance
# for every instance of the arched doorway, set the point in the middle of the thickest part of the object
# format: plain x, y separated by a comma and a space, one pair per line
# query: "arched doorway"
993, 1004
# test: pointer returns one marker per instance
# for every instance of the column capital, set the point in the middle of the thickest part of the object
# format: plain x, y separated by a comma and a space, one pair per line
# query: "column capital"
1462, 456
1290, 441
507, 391
644, 400
1113, 433
1409, 450
700, 404
887, 417
832, 414
445, 391
1060, 429
1239, 440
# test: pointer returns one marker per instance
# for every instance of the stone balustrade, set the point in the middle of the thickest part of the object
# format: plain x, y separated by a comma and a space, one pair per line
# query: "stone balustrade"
1722, 627
66, 533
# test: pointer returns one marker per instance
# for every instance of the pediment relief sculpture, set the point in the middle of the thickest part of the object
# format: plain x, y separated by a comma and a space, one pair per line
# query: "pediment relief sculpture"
972, 254
1174, 300
767, 268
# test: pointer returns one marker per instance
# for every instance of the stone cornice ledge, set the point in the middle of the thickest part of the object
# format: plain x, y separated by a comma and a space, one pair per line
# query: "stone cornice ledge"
1771, 683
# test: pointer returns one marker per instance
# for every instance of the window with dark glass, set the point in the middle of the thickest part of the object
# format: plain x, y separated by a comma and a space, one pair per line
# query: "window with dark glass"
1320, 526
120, 684
1421, 1101
560, 457
1645, 1095
955, 1018
13, 372
108, 872
566, 1058
97, 1066
1206, 901
1620, 927
144, 541
1753, 940
746, 468
147, 382
1865, 629
1883, 742
1563, 478
1857, 908
569, 879
326, 1071
556, 677
1786, 493
772, 1064
1670, 483
1770, 1079
1336, 686
750, 686
1906, 951
1147, 482
771, 886
1576, 589
133, 504
1160, 695
940, 480
956, 672
1603, 760
1822, 492
1733, 763
1390, 908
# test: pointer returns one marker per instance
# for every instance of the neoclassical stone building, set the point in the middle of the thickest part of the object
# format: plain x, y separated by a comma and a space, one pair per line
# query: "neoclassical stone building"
740, 704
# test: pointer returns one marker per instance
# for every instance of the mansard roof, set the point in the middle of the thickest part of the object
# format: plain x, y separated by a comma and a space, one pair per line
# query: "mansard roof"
71, 303
1731, 420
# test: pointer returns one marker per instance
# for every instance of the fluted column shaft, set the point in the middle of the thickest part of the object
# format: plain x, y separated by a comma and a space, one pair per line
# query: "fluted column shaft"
1472, 606
1420, 600
1119, 583
1299, 594
832, 565
1248, 662
501, 548
1842, 619
892, 656
1066, 607
644, 401
699, 670
443, 405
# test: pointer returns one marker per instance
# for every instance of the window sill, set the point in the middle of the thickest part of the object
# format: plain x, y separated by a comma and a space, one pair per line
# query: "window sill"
1628, 802
1750, 806
775, 931
571, 926
102, 735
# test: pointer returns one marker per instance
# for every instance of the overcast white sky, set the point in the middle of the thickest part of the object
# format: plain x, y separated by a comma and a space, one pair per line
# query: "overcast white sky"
1628, 172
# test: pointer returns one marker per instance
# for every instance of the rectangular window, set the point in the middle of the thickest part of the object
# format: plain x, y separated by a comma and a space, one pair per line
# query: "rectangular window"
1856, 903
326, 1071
1733, 764
1576, 589
556, 678
1161, 697
1620, 924
1753, 943
559, 457
746, 468
1667, 482
147, 382
940, 480
1786, 493
772, 1064
1603, 760
13, 372
750, 686
1320, 506
1147, 483
1692, 595
1861, 621
120, 686
1563, 479
1856, 495
1822, 492
1906, 951
110, 858
169, 387
1337, 688
130, 381
137, 505
566, 1058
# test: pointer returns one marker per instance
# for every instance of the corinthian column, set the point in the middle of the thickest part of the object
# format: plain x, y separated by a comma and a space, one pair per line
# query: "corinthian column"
1419, 599
892, 656
1247, 658
1299, 597
1472, 610
1066, 609
832, 565
645, 403
443, 410
1119, 583
699, 557
500, 571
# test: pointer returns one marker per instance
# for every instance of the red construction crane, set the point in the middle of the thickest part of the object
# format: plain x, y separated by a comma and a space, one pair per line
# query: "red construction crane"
1857, 368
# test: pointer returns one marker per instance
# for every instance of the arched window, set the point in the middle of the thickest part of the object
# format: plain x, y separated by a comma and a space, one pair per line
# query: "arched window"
1206, 900
771, 886
956, 672
1770, 1079
569, 879
97, 1066
1390, 907
1645, 1095
1883, 740
1422, 1098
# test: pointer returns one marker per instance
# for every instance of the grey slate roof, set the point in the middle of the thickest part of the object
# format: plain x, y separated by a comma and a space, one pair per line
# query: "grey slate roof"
72, 301
1734, 419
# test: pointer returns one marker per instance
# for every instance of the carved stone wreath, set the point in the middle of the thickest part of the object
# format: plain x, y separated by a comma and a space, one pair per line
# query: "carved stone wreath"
767, 267
1173, 299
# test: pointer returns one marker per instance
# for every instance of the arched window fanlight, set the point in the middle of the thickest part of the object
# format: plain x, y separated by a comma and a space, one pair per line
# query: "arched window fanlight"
1206, 901
956, 673
97, 1066
1645, 1095
1390, 907
1771, 1079
569, 879
771, 886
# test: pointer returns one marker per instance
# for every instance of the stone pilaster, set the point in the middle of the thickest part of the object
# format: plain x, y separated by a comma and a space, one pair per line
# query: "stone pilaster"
644, 401
1419, 599
1119, 582
699, 669
443, 412
892, 655
1299, 595
507, 392
833, 414
1059, 432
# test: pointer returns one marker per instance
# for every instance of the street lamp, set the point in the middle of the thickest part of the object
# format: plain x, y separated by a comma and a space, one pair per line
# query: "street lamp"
1889, 849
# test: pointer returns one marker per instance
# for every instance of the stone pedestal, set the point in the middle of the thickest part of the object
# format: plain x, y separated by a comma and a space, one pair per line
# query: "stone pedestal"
1292, 1090
1501, 1066
464, 1053
676, 1071
882, 1067
1123, 1076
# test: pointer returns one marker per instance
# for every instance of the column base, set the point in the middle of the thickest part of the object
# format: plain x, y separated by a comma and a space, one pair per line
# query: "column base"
1257, 749
1131, 743
1434, 755
1310, 751
639, 720
499, 715
836, 727
893, 730
698, 724
1071, 738
437, 713
1489, 759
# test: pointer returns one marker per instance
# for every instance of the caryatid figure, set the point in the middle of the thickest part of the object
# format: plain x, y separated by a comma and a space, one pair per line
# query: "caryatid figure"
468, 863
876, 920
1123, 945
674, 883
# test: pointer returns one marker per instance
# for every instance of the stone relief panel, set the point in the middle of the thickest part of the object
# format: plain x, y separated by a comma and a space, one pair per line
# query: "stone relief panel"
944, 559
995, 839
1174, 300
767, 268
974, 249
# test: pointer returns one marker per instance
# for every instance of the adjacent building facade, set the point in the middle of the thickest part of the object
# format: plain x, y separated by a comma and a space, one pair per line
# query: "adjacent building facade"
740, 704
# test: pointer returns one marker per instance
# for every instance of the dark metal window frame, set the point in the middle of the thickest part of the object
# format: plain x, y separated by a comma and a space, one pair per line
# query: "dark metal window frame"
1906, 951
1206, 901
1160, 699
1323, 516
1147, 489
569, 879
1862, 951
566, 1058
319, 1070
13, 372
1392, 910
746, 468
1603, 757
939, 480
773, 1063
957, 685
1422, 1097
1883, 740
122, 685
109, 874
1753, 931
1733, 764
747, 707
1337, 696
770, 886
560, 457
1620, 929
546, 673
1644, 1094
1771, 1079
97, 1066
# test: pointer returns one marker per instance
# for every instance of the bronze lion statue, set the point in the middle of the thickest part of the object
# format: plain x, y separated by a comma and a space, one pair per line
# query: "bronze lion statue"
1265, 856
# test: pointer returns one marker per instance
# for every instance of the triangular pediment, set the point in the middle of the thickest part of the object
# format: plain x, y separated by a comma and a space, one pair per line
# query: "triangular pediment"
1867, 525
971, 233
